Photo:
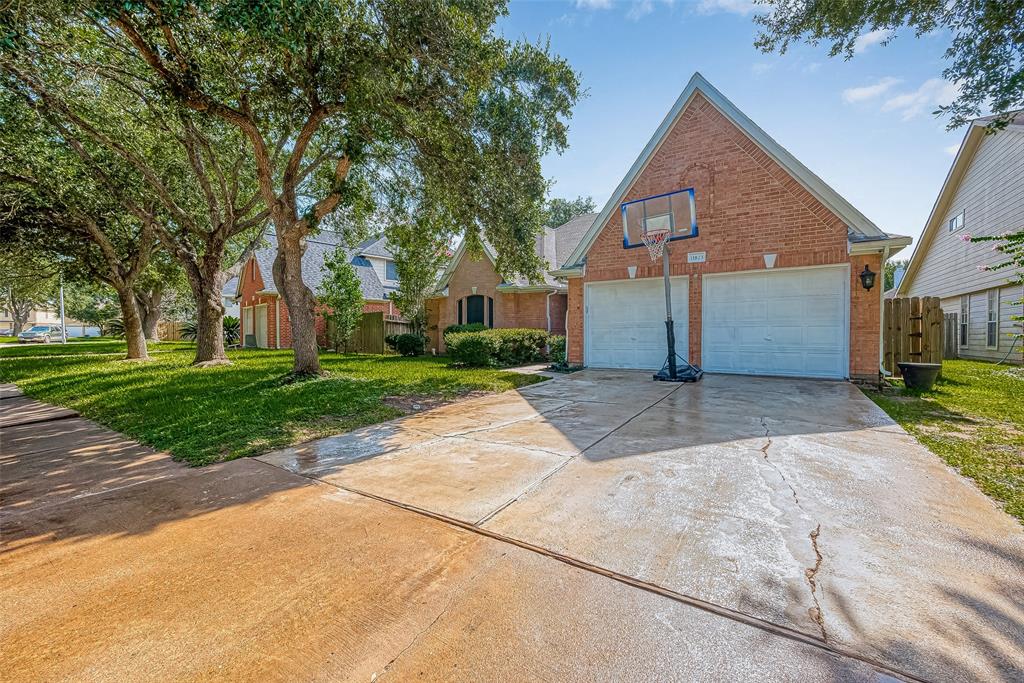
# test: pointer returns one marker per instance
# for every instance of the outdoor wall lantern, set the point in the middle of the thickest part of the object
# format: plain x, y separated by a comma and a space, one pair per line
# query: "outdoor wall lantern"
867, 278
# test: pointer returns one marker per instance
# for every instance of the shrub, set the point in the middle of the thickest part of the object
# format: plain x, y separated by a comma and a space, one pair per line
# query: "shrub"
472, 349
556, 346
469, 327
232, 328
505, 346
406, 344
517, 346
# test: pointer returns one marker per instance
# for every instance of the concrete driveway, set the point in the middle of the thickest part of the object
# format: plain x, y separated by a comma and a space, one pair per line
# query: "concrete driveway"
598, 526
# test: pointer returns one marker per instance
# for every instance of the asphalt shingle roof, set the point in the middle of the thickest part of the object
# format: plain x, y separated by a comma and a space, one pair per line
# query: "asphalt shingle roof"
318, 249
375, 246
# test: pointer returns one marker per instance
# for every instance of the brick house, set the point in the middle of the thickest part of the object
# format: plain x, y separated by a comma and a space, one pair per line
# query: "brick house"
769, 286
473, 292
263, 312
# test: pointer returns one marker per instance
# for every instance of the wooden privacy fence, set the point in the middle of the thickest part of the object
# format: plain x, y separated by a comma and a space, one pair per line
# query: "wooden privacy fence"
913, 331
369, 336
950, 334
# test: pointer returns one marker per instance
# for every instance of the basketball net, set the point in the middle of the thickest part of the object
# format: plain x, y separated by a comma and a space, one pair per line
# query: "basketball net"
654, 239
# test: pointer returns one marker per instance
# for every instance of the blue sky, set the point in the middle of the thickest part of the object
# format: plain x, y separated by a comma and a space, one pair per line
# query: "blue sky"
865, 125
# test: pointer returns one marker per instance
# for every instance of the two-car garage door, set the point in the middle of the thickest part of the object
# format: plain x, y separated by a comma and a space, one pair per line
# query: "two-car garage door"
776, 322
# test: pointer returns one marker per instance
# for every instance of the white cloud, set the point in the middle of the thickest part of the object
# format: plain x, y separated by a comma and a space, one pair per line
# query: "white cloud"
866, 40
760, 68
933, 93
640, 9
594, 4
869, 92
742, 7
811, 68
953, 149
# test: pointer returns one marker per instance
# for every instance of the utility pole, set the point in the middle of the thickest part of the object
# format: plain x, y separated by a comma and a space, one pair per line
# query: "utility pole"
63, 329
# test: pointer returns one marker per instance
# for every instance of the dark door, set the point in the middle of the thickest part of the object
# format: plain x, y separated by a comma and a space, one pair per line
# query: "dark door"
475, 309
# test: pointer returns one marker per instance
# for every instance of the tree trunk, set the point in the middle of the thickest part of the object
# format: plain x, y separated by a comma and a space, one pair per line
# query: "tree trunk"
149, 308
210, 325
299, 299
133, 334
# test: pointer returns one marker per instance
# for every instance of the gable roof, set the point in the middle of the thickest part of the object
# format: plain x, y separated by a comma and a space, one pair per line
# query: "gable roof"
318, 249
553, 246
858, 224
375, 246
961, 164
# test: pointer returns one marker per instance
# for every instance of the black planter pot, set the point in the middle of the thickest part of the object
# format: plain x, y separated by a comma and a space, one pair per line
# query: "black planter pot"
919, 375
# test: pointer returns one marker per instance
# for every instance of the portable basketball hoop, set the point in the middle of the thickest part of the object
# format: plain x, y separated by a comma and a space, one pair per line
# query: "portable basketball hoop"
656, 231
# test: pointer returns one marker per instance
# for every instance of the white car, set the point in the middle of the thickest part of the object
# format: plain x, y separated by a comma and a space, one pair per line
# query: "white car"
43, 334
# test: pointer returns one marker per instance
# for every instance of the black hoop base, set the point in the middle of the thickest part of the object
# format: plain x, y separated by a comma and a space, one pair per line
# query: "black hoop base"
685, 372
671, 370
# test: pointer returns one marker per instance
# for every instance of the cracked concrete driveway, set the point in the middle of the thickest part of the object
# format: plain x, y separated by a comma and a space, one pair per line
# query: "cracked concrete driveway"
598, 526
795, 502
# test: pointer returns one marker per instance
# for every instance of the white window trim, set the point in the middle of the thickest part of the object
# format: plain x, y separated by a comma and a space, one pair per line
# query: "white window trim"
962, 215
386, 262
964, 340
988, 317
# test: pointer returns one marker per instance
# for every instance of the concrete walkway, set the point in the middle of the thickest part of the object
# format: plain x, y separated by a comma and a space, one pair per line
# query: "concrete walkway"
588, 528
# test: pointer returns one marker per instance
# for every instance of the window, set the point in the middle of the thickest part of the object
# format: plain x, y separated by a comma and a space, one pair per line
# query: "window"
390, 270
992, 320
957, 221
459, 306
475, 309
965, 317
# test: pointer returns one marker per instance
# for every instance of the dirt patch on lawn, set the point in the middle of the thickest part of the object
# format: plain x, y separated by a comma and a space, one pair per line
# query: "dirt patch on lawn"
416, 403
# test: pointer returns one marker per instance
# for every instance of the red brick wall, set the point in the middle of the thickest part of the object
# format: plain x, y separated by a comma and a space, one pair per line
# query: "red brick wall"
865, 319
747, 206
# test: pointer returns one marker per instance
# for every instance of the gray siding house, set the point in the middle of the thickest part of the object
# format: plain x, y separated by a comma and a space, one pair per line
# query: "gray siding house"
983, 195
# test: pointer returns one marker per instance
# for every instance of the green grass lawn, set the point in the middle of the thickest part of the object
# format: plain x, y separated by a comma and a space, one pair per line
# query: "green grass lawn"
220, 413
974, 420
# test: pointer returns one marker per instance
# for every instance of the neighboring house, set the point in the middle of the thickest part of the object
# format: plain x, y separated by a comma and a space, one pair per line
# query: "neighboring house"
228, 296
42, 316
983, 195
263, 312
769, 287
472, 291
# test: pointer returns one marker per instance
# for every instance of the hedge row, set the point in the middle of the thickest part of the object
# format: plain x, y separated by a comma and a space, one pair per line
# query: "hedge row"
503, 346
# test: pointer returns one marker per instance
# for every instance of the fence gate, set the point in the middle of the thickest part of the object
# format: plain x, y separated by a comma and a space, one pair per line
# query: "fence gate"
913, 331
950, 335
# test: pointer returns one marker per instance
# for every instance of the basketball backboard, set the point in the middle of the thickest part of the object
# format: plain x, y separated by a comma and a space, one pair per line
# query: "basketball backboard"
673, 211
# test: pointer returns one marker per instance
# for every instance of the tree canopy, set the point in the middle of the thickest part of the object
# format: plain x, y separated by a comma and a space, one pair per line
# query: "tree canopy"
344, 105
560, 211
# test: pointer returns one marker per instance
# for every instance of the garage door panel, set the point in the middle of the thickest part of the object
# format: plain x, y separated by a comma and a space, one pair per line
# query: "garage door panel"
781, 322
787, 336
749, 335
625, 322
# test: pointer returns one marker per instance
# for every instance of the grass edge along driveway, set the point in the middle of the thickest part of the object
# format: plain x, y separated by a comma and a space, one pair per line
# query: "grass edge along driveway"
974, 420
209, 415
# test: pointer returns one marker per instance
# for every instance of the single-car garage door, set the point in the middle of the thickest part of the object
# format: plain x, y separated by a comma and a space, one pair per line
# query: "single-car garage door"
625, 322
777, 322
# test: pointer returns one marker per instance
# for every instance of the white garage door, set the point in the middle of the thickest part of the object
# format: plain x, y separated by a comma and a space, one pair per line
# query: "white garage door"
625, 322
779, 322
